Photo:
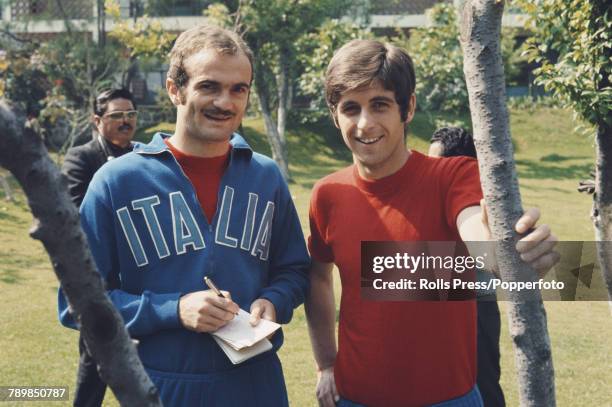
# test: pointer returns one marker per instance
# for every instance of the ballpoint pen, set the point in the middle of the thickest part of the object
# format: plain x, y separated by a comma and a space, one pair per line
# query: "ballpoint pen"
214, 288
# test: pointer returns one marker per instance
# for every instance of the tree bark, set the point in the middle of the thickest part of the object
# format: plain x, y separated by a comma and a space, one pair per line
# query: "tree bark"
56, 224
65, 17
480, 38
274, 139
602, 213
130, 74
101, 24
283, 98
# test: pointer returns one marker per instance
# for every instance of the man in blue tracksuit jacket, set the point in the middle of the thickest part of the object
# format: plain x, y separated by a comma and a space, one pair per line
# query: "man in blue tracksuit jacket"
153, 244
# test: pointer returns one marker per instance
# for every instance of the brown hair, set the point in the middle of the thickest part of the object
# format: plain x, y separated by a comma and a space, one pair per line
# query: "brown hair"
199, 38
361, 62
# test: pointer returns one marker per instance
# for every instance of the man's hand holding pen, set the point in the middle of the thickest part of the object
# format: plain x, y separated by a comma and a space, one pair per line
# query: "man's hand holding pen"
209, 310
205, 311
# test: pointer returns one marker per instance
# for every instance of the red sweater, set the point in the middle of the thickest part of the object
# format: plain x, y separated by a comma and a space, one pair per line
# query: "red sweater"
397, 353
205, 174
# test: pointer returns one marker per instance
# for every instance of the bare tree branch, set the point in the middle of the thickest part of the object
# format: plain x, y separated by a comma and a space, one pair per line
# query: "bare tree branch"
56, 224
14, 37
65, 17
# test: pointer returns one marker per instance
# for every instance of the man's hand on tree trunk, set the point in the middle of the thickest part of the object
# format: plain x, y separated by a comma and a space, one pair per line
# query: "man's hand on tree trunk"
537, 244
536, 247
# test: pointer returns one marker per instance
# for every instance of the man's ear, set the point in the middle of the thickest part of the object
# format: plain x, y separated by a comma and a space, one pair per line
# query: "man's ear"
174, 93
334, 117
411, 108
96, 121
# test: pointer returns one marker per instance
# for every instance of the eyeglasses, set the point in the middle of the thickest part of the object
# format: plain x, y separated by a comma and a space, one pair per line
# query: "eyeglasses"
120, 115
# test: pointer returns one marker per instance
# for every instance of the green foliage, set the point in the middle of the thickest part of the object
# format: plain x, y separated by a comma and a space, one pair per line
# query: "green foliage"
167, 109
219, 14
314, 51
274, 30
436, 53
530, 104
57, 80
78, 66
283, 22
274, 27
571, 44
580, 330
173, 7
438, 60
23, 80
512, 57
144, 38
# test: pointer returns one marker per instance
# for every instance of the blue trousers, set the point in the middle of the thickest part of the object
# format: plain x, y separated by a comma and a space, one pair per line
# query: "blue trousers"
471, 399
257, 384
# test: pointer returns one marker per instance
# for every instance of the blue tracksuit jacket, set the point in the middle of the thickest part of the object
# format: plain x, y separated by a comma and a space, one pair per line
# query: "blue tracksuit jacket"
150, 239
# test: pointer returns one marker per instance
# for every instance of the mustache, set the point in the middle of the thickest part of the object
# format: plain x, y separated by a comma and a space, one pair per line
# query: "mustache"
125, 126
219, 112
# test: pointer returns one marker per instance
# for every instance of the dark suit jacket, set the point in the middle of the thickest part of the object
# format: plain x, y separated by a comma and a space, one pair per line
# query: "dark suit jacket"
82, 162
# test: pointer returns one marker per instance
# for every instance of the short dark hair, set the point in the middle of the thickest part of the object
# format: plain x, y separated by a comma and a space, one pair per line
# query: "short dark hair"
359, 63
199, 38
104, 98
455, 141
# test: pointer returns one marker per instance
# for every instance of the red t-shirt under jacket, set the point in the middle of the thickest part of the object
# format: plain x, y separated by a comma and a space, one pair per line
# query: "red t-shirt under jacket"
205, 175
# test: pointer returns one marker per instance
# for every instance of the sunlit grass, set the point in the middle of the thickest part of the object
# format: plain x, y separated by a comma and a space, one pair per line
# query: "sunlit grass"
551, 158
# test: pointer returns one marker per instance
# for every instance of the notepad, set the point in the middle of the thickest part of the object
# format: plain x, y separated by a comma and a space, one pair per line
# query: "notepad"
240, 341
239, 356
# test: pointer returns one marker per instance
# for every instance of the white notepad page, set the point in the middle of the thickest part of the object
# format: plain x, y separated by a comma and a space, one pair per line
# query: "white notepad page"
240, 334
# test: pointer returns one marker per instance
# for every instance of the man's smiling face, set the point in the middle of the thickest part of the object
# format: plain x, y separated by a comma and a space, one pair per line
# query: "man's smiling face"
372, 128
212, 103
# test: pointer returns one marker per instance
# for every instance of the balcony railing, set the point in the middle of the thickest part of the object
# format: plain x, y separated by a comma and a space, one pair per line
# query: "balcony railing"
51, 9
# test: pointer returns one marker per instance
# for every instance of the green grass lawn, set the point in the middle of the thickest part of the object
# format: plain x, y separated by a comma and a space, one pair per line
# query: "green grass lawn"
551, 158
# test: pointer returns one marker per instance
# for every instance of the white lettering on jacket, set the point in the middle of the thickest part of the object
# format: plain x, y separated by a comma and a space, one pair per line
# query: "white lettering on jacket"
186, 233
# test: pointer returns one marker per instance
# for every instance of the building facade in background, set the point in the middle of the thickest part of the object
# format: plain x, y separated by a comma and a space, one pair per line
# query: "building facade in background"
42, 19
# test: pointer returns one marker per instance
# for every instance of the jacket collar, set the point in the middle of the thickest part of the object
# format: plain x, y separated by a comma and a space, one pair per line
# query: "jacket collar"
157, 145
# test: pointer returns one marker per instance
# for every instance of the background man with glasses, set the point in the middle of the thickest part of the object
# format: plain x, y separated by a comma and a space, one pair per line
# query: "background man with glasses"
114, 122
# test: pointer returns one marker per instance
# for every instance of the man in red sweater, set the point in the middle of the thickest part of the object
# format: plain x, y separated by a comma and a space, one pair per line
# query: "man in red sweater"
393, 353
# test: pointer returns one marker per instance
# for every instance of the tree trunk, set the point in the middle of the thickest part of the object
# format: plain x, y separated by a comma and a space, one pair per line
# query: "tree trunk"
101, 20
56, 224
480, 38
65, 17
130, 74
274, 139
283, 98
602, 214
